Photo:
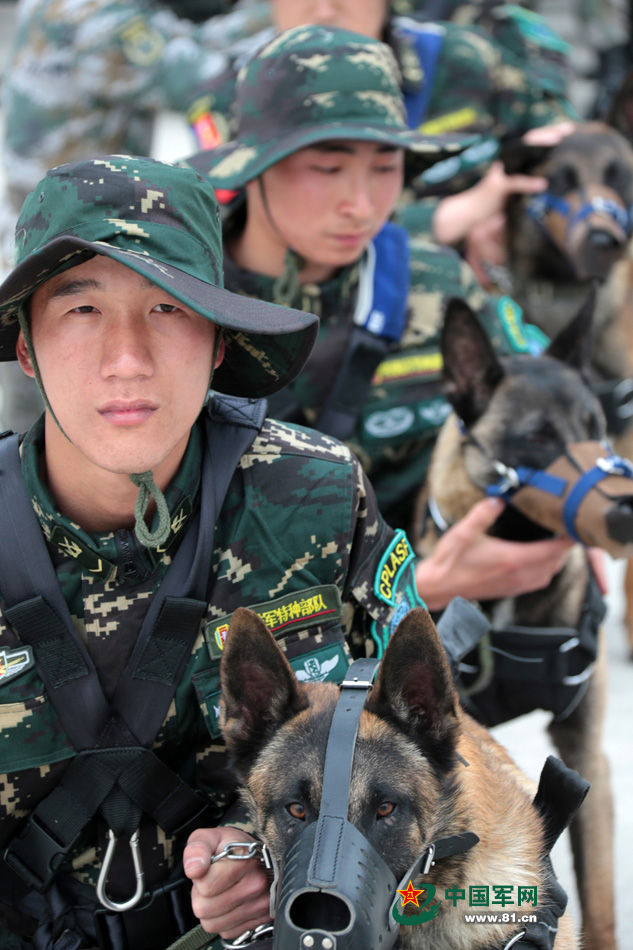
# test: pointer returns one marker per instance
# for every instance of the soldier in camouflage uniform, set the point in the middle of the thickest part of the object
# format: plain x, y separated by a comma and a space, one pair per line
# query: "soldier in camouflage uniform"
499, 71
87, 78
116, 307
319, 153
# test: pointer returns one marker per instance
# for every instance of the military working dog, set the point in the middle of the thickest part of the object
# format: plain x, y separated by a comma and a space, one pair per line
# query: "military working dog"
422, 769
577, 232
532, 431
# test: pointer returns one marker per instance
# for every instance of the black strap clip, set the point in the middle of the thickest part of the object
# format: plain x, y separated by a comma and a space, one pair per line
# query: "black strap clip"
36, 855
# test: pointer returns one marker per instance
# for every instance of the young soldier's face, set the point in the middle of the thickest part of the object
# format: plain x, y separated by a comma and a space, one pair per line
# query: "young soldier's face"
125, 366
327, 202
360, 16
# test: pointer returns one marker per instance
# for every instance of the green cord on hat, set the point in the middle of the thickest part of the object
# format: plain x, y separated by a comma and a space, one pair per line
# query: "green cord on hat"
146, 488
26, 332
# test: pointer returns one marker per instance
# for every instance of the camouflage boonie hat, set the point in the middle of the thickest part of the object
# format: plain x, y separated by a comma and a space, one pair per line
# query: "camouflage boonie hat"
313, 84
162, 221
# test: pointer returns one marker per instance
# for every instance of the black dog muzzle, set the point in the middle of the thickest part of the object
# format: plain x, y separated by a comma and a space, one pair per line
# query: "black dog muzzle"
334, 891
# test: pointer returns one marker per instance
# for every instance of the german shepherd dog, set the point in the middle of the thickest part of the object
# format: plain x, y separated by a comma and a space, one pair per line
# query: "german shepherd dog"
525, 413
422, 768
577, 232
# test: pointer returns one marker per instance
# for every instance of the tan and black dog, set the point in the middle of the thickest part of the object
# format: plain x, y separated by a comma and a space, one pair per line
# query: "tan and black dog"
422, 769
516, 421
577, 232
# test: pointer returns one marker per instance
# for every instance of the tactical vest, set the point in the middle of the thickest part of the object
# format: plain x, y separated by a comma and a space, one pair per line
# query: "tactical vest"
115, 772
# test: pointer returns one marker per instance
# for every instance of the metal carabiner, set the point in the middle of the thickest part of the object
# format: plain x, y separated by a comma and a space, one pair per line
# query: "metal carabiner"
138, 870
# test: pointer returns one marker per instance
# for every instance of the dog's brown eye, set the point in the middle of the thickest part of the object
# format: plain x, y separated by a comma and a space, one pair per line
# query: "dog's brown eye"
297, 810
385, 809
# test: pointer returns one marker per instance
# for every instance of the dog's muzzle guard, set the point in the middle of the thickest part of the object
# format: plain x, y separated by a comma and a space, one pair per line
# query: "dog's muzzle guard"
586, 493
334, 891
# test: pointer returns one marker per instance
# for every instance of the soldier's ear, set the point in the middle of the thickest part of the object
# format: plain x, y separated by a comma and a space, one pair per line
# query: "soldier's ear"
22, 354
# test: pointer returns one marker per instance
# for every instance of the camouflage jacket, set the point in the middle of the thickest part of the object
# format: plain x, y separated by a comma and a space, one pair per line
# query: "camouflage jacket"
298, 538
85, 77
404, 411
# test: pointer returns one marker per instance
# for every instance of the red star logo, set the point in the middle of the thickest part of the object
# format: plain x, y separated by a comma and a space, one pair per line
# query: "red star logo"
410, 895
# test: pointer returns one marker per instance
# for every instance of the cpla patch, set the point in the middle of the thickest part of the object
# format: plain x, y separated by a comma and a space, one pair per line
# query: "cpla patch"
523, 337
299, 610
393, 562
14, 662
382, 633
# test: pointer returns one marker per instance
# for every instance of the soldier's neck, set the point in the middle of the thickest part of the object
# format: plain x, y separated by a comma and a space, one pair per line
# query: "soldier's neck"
93, 497
261, 250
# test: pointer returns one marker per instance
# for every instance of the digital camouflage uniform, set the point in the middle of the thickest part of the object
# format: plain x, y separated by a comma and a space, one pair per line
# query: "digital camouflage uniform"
405, 410
298, 536
289, 96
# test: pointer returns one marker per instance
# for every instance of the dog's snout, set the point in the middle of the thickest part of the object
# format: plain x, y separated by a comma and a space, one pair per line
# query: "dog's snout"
314, 910
602, 240
620, 521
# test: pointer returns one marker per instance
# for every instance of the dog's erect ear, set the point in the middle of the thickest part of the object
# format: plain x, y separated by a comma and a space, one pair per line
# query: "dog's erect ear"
574, 343
414, 689
259, 688
518, 158
471, 371
620, 115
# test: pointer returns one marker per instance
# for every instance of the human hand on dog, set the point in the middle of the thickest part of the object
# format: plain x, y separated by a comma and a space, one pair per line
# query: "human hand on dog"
228, 897
470, 563
457, 215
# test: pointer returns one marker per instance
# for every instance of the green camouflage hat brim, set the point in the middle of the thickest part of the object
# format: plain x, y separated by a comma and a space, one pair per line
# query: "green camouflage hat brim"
235, 164
256, 364
161, 221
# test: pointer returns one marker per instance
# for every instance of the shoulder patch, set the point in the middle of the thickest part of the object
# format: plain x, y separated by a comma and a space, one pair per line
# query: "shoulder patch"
142, 43
523, 337
14, 662
392, 564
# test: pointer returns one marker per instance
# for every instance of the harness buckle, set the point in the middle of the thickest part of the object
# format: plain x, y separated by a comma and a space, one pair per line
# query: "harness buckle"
615, 465
105, 870
36, 854
428, 861
510, 480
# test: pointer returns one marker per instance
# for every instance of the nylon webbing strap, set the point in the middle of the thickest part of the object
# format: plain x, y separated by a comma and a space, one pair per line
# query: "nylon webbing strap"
337, 769
341, 410
339, 754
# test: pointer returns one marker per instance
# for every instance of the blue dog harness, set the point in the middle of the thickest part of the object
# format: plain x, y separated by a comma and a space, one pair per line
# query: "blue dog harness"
539, 206
512, 479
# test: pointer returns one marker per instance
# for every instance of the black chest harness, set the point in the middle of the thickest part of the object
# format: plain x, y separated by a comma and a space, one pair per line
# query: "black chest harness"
115, 772
513, 669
